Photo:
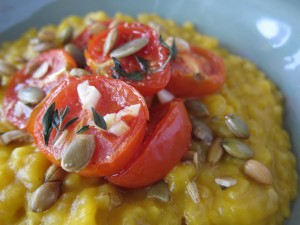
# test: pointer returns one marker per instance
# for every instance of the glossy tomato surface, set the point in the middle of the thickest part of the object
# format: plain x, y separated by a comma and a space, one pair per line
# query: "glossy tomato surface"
58, 60
167, 139
196, 73
112, 152
154, 53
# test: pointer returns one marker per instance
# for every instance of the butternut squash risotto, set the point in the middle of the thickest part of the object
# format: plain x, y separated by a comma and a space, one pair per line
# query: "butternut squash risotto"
238, 168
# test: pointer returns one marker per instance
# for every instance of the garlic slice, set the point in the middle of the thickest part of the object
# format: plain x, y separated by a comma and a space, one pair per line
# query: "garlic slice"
88, 95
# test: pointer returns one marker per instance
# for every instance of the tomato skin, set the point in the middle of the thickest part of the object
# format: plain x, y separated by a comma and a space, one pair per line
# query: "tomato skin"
153, 52
57, 60
183, 83
166, 141
112, 152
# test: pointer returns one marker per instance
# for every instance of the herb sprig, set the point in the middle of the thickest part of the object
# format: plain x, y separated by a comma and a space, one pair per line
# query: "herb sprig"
99, 120
83, 129
138, 75
54, 119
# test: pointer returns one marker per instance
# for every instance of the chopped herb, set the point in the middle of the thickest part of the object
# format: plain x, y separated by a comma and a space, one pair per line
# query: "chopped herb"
172, 49
83, 129
135, 75
138, 75
64, 113
99, 120
47, 123
143, 62
54, 119
69, 123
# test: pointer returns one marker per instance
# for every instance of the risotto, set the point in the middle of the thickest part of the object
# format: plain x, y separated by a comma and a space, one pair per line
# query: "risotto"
248, 180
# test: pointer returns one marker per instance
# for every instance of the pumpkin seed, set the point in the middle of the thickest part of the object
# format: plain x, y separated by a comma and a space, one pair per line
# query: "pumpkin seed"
113, 24
196, 108
193, 192
130, 48
43, 46
79, 153
237, 126
191, 156
34, 41
110, 41
258, 171
7, 69
45, 196
155, 26
159, 191
181, 44
215, 152
78, 72
31, 67
46, 36
77, 54
54, 173
15, 136
196, 159
41, 70
201, 131
225, 182
188, 156
219, 127
96, 28
201, 150
22, 109
115, 200
66, 35
237, 148
31, 95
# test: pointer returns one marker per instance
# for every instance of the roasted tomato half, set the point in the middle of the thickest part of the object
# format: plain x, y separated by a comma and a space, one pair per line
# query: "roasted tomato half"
167, 139
196, 73
90, 125
31, 84
133, 53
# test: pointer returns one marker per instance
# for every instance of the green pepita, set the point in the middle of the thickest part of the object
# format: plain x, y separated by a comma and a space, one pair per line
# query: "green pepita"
196, 108
7, 69
45, 196
96, 28
79, 153
110, 41
225, 182
43, 46
54, 173
181, 44
237, 148
31, 95
113, 24
78, 72
15, 136
193, 192
77, 54
201, 131
258, 172
215, 152
66, 35
41, 70
237, 126
159, 191
46, 36
130, 48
